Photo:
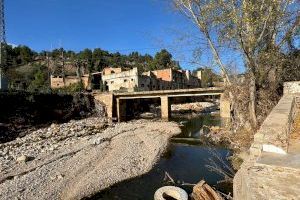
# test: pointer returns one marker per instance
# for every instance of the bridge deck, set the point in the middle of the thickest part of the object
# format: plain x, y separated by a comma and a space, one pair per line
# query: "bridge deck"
170, 93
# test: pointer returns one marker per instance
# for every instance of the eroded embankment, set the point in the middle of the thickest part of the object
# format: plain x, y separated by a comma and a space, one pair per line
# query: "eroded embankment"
78, 159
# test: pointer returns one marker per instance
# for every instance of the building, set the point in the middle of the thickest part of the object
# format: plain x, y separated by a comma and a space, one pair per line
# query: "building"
96, 81
112, 70
65, 81
115, 79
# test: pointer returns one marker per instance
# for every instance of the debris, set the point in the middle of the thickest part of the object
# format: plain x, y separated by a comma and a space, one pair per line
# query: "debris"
202, 191
170, 192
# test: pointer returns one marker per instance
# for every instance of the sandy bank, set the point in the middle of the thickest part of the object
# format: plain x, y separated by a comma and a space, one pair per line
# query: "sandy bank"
80, 158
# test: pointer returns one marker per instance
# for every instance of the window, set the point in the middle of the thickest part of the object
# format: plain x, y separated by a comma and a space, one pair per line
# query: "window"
111, 82
112, 71
142, 85
125, 80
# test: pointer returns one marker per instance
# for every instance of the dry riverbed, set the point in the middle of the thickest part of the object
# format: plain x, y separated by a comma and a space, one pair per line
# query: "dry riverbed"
79, 158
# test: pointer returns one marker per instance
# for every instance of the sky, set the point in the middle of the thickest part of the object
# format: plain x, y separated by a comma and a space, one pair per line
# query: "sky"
145, 26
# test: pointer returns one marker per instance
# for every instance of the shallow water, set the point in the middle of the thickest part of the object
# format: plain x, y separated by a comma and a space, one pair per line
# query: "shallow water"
185, 161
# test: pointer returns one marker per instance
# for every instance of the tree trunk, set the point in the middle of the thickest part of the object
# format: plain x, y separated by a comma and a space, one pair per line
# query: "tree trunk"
252, 103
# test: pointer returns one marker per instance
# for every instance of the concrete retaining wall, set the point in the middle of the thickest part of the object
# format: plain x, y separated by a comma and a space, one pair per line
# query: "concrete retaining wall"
271, 171
273, 135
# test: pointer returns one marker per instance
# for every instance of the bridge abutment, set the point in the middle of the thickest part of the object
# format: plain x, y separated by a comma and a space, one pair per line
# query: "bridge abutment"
224, 107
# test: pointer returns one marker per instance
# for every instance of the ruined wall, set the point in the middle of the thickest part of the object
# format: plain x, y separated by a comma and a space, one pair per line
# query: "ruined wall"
57, 82
144, 83
127, 80
164, 74
60, 82
86, 82
70, 80
192, 81
111, 70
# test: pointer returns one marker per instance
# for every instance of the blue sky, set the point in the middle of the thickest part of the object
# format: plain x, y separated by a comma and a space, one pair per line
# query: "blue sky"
115, 25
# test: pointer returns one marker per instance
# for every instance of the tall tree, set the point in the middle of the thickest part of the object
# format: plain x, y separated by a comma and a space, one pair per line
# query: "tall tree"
163, 59
248, 26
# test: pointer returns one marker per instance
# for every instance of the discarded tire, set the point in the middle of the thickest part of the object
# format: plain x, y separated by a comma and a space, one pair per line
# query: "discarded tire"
170, 191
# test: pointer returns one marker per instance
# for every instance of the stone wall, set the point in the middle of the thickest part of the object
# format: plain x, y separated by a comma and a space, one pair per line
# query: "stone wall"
60, 81
273, 136
57, 82
112, 70
271, 171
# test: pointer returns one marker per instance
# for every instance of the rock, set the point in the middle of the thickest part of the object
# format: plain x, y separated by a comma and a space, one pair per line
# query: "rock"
59, 176
22, 158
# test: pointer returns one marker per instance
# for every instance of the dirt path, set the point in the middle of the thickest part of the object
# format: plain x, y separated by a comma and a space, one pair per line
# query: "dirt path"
80, 166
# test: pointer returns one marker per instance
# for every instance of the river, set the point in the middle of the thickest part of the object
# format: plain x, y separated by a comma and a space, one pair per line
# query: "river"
185, 161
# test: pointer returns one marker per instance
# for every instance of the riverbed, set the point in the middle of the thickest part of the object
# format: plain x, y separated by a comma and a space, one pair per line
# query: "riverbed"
185, 161
77, 159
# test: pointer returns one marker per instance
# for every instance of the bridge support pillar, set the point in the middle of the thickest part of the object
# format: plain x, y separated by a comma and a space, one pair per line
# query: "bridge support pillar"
165, 107
224, 107
121, 110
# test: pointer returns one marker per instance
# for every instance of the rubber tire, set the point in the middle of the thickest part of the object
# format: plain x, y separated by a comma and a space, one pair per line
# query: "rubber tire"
171, 191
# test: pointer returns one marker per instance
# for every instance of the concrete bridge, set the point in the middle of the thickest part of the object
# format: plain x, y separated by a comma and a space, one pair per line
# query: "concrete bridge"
116, 103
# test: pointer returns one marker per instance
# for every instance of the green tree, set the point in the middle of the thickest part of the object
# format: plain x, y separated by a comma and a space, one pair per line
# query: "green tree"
100, 59
162, 60
40, 82
24, 54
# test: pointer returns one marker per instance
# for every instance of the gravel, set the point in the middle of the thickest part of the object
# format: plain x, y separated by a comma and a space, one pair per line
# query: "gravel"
196, 106
80, 158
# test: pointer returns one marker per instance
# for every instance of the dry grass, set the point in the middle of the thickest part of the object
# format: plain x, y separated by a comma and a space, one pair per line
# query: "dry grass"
242, 139
295, 133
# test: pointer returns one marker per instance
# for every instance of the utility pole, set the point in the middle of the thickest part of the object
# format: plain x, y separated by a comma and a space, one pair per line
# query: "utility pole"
3, 63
